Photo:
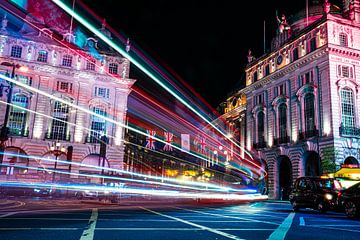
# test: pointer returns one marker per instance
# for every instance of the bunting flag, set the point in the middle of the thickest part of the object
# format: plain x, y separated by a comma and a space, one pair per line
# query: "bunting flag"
200, 143
169, 140
150, 141
185, 142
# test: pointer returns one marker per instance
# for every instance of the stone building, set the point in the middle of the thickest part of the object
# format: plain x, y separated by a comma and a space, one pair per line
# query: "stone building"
302, 97
45, 128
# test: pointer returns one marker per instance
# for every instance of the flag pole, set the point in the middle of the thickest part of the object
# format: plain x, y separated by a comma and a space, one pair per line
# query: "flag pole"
264, 38
307, 12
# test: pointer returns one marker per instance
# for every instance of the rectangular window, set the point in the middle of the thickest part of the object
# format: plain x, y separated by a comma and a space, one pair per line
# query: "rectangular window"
90, 65
259, 99
267, 70
16, 51
42, 56
64, 87
255, 76
102, 92
307, 78
280, 90
345, 71
295, 54
67, 61
113, 68
312, 44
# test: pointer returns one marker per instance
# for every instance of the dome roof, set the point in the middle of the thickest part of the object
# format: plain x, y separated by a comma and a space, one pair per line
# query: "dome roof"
298, 20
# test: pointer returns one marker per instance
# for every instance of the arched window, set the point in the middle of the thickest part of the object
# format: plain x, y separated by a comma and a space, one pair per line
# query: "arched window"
347, 110
98, 125
16, 51
309, 113
67, 61
113, 68
18, 114
60, 120
261, 128
343, 39
282, 123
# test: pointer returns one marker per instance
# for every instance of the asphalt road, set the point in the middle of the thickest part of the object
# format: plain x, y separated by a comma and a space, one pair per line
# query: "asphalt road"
87, 221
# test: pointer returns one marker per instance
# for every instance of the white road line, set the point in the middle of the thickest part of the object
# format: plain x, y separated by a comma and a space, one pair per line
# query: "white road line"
225, 216
302, 221
46, 229
280, 232
7, 214
334, 225
183, 229
88, 233
196, 225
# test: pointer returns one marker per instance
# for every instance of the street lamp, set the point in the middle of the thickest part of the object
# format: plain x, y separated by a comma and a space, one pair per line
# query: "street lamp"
57, 150
4, 132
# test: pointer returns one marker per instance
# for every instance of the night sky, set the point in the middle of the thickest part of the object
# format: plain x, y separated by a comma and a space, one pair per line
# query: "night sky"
204, 41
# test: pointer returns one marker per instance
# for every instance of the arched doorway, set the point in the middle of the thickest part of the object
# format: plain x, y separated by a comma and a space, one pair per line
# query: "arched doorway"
285, 177
312, 164
351, 160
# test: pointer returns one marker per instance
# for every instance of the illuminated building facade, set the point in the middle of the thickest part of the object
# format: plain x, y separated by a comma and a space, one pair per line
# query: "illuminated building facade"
50, 129
302, 98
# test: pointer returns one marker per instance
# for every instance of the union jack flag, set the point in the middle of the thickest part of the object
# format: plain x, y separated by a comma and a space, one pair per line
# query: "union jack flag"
200, 142
150, 141
169, 140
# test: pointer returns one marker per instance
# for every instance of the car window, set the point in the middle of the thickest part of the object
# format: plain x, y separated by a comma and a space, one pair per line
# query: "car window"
324, 183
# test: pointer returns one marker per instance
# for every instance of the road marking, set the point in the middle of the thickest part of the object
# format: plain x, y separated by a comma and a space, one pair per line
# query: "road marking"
183, 229
302, 221
195, 225
46, 229
88, 233
7, 214
280, 232
225, 216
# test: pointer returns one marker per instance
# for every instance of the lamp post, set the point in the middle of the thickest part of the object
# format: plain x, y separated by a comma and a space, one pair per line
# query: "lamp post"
4, 132
57, 150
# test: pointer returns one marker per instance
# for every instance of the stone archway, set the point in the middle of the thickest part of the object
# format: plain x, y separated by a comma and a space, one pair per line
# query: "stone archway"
351, 160
285, 177
312, 164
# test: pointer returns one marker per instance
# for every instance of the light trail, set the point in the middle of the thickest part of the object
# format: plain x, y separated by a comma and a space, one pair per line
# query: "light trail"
142, 68
162, 193
73, 124
99, 115
160, 139
191, 183
124, 179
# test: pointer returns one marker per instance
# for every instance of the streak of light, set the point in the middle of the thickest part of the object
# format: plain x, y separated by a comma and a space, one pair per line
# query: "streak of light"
141, 67
162, 193
122, 179
99, 115
178, 181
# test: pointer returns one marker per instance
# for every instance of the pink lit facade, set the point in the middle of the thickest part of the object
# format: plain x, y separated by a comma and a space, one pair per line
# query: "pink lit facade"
100, 85
302, 99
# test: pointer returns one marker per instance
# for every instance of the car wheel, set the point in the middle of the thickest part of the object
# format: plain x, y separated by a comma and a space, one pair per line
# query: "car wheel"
321, 207
351, 210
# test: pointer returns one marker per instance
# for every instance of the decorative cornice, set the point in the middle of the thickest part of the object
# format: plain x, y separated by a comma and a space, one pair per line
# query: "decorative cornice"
286, 70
